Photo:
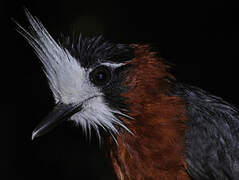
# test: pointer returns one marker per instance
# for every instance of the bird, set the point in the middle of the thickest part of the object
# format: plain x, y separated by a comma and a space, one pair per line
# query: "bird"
154, 126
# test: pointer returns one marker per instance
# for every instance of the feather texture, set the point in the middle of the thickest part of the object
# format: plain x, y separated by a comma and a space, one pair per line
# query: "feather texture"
69, 80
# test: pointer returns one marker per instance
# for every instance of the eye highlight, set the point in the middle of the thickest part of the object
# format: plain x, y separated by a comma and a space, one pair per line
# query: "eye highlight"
100, 76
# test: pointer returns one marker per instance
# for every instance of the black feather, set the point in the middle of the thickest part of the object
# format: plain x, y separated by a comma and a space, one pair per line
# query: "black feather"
90, 50
212, 137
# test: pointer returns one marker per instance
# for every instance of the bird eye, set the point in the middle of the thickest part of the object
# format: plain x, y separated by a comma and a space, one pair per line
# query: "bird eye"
100, 76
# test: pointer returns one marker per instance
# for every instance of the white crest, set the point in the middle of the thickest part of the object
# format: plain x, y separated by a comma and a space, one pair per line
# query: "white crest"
69, 81
65, 75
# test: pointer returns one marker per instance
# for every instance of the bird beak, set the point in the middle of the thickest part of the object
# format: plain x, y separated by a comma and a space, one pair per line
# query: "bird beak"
60, 113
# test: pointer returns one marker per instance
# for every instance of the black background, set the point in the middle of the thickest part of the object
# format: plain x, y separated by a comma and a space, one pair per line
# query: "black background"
199, 37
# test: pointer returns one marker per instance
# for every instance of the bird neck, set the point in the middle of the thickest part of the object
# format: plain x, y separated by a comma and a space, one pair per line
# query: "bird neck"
155, 149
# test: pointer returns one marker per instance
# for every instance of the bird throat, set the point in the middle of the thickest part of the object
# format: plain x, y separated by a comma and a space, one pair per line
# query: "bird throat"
156, 148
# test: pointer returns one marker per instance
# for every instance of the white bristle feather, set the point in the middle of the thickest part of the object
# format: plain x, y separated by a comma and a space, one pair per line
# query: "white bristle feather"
69, 82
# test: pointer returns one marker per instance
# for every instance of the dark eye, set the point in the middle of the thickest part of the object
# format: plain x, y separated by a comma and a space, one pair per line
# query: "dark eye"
100, 76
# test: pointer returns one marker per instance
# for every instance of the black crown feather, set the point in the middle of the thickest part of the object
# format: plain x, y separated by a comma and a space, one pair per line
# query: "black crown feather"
89, 50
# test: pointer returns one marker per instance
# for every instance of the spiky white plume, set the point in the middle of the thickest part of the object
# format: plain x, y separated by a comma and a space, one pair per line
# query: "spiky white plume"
65, 75
69, 82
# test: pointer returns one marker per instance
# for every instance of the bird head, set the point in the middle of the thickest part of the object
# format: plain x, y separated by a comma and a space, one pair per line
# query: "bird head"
94, 82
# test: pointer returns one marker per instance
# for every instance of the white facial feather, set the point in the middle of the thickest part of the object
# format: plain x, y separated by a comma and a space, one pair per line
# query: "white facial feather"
67, 79
97, 114
113, 65
69, 82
